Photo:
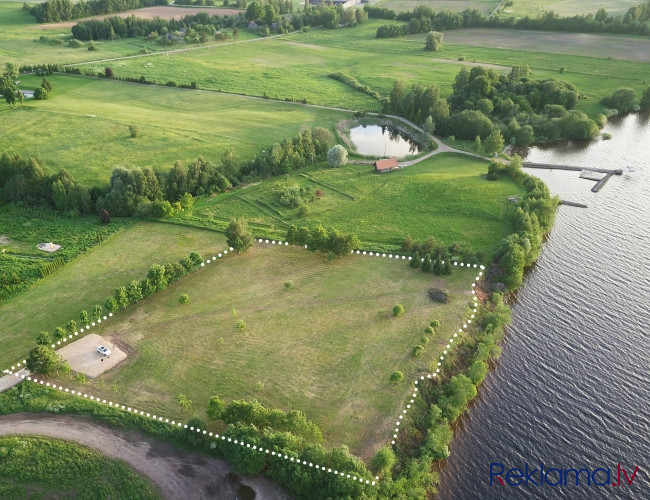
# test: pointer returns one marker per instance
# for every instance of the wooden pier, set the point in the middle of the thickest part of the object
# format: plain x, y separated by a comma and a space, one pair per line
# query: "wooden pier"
573, 204
546, 166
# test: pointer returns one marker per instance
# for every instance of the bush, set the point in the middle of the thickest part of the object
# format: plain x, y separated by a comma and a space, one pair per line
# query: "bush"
74, 43
417, 350
184, 298
396, 377
91, 46
398, 310
288, 284
435, 324
40, 93
134, 131
240, 325
429, 330
44, 338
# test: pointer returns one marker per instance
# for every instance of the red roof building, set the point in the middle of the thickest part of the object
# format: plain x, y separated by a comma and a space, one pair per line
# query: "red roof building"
386, 165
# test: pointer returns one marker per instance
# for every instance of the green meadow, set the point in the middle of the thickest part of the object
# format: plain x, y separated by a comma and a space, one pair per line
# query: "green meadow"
444, 196
89, 279
84, 125
39, 467
296, 66
325, 345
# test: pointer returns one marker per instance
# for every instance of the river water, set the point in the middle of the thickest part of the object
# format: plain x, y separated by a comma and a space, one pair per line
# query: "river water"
572, 387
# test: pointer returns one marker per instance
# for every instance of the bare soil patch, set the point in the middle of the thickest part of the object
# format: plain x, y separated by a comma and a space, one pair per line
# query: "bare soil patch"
82, 355
627, 48
4, 240
147, 13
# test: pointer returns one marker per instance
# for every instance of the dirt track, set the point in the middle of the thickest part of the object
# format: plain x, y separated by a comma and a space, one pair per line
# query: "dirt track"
177, 473
147, 13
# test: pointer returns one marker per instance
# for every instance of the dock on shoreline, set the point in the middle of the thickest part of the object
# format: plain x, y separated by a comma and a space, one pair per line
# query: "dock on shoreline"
547, 166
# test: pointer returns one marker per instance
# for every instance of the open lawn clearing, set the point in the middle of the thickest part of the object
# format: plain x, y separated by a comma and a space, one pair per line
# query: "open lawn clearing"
71, 129
40, 467
628, 48
444, 196
521, 8
89, 279
161, 11
484, 6
326, 345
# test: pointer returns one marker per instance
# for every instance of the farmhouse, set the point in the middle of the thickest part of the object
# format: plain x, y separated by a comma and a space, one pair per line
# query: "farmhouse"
386, 165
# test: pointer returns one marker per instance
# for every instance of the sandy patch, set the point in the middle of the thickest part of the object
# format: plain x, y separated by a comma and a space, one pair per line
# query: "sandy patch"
146, 13
82, 355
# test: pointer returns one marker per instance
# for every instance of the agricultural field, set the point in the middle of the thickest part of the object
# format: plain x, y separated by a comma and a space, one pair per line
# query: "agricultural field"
21, 38
484, 6
521, 8
325, 344
89, 279
38, 467
625, 48
381, 209
82, 115
296, 66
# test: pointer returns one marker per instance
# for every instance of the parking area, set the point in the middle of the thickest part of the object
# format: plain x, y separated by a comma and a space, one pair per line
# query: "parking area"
82, 355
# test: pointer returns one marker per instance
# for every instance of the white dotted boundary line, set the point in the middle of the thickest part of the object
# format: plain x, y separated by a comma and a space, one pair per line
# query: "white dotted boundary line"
447, 348
216, 436
14, 368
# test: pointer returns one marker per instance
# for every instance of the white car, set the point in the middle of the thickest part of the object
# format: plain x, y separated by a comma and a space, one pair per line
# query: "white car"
104, 350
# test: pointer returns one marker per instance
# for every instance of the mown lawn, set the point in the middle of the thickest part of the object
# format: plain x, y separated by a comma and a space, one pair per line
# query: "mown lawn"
89, 279
445, 197
325, 345
174, 124
39, 467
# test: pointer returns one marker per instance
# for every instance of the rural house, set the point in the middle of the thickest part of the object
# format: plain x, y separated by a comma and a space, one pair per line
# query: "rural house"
386, 165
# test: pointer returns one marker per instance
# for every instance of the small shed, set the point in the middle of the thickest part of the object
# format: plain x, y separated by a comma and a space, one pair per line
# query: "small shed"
252, 25
386, 165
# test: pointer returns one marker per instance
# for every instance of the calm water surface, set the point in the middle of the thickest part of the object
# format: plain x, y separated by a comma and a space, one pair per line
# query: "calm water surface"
572, 388
373, 140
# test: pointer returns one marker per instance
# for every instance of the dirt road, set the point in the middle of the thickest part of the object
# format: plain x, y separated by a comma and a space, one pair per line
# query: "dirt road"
177, 473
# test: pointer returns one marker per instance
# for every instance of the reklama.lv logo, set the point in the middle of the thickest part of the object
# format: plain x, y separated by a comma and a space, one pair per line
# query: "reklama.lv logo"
553, 476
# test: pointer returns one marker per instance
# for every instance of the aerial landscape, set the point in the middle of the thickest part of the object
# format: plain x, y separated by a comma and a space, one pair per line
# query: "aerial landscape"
319, 249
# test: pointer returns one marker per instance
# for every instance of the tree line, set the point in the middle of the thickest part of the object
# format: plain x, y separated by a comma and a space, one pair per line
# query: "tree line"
423, 19
484, 103
158, 193
533, 220
264, 12
319, 238
66, 10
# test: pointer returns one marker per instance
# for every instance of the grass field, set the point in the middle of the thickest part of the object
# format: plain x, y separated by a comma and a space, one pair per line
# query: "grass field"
327, 345
521, 8
484, 6
38, 467
20, 40
296, 66
89, 279
174, 124
444, 197
627, 48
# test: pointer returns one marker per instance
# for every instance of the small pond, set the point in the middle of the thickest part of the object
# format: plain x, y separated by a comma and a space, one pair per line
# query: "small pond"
375, 140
